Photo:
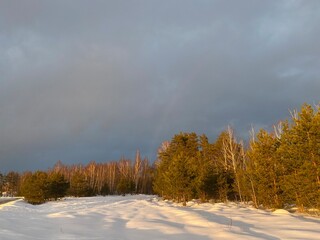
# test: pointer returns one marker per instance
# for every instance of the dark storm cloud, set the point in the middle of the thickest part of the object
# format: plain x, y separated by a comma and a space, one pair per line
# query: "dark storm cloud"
95, 80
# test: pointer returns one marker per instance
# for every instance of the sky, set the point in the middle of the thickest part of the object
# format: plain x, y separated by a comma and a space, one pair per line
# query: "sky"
97, 80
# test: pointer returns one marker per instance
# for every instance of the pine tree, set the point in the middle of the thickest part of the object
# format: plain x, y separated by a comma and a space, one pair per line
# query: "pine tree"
57, 186
300, 158
35, 187
160, 183
125, 186
176, 168
79, 186
206, 180
263, 170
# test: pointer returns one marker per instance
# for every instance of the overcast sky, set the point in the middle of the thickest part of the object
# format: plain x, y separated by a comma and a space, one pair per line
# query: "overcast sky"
96, 80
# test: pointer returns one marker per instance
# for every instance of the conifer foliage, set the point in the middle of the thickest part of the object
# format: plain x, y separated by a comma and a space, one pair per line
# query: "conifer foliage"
39, 187
191, 167
122, 177
177, 169
284, 165
280, 168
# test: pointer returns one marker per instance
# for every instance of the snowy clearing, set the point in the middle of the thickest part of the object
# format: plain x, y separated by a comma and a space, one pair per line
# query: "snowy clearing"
145, 217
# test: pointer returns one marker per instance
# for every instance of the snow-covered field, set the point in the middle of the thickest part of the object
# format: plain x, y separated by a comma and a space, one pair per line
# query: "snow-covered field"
145, 217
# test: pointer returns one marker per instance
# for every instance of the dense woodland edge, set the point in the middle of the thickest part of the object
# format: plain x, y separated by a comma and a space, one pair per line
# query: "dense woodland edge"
278, 169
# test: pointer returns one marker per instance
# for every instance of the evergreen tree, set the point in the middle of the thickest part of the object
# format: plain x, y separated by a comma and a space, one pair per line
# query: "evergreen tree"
79, 186
176, 172
162, 165
263, 170
300, 158
57, 186
35, 187
206, 180
125, 186
105, 190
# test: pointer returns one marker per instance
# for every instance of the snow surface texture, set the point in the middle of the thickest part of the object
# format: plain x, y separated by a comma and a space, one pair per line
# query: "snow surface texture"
145, 217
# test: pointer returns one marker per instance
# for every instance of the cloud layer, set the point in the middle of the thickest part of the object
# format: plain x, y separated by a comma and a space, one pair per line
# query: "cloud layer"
95, 80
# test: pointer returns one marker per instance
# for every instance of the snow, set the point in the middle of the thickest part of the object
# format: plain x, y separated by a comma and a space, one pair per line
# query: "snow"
281, 212
146, 217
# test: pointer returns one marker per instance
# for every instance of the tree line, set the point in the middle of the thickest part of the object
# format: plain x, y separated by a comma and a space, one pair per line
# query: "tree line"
278, 168
119, 177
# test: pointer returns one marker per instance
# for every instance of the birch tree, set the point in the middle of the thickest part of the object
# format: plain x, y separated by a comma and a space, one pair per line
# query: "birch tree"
232, 150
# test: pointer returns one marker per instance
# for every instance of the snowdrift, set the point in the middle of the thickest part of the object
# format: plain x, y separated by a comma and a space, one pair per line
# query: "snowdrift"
145, 217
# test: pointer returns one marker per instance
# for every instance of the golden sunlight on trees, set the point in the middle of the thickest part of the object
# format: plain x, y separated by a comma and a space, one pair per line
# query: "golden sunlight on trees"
279, 169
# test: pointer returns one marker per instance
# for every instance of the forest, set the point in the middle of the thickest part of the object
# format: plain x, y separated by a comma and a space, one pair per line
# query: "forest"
119, 177
279, 168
